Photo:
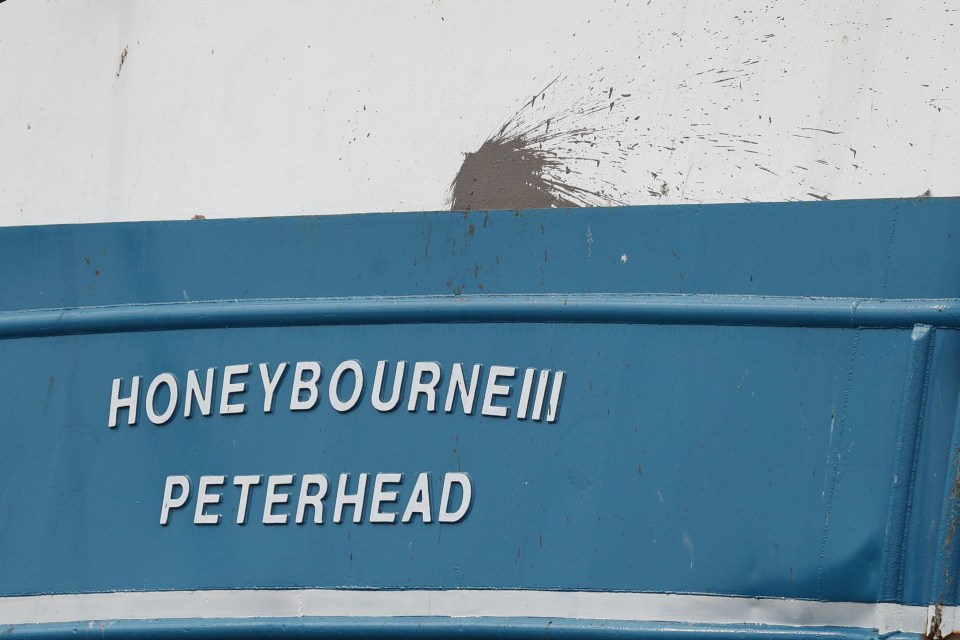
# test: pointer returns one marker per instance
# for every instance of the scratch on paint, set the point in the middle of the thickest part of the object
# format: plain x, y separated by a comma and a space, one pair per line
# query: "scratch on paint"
688, 543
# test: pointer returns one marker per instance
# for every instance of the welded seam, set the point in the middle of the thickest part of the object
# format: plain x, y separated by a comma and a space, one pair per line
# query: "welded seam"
906, 453
889, 259
837, 457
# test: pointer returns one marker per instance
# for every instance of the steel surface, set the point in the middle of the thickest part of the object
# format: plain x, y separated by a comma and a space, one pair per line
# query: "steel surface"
754, 405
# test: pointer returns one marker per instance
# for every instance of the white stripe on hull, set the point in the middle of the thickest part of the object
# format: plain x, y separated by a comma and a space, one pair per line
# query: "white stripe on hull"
464, 603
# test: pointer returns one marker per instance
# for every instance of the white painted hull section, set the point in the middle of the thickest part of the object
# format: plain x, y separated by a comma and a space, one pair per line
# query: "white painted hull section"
565, 605
138, 110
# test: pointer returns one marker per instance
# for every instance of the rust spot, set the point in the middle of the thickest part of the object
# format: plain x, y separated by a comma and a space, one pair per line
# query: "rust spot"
955, 498
933, 631
96, 273
952, 530
471, 229
199, 216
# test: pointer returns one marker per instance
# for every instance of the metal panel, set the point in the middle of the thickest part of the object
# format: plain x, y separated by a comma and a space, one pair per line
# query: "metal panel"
758, 408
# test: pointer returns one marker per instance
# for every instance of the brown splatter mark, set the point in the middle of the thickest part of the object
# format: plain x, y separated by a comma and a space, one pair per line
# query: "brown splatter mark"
199, 216
123, 58
833, 133
534, 159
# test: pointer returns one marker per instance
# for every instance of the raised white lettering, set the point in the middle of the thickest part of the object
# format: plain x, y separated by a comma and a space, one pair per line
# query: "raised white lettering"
537, 413
270, 383
355, 499
230, 387
555, 391
129, 403
376, 396
204, 399
274, 498
525, 394
334, 392
171, 384
449, 480
388, 491
495, 390
429, 388
419, 502
244, 482
312, 499
301, 384
467, 396
200, 516
380, 497
174, 502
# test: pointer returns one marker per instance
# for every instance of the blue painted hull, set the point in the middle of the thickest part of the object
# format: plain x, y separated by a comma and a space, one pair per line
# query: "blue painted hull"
757, 401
